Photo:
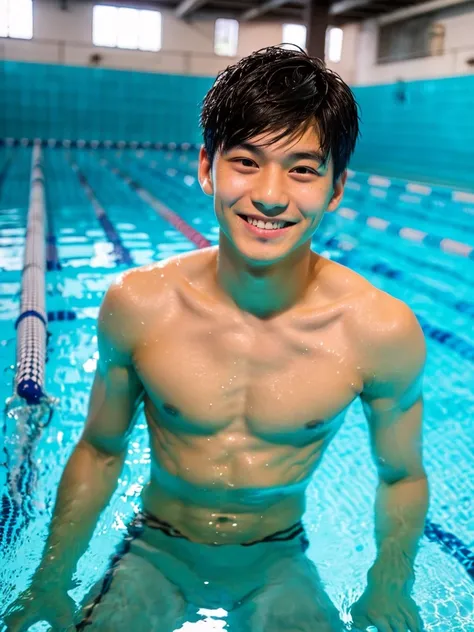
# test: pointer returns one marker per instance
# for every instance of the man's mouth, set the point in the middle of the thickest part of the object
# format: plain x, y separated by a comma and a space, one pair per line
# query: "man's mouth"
266, 224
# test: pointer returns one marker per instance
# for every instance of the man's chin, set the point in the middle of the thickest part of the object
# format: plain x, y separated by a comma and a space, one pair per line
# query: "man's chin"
262, 254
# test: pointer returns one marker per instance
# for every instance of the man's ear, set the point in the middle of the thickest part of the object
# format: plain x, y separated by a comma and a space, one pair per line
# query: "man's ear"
338, 192
205, 172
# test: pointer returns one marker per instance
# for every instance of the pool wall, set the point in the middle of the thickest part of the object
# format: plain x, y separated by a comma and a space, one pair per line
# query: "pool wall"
418, 129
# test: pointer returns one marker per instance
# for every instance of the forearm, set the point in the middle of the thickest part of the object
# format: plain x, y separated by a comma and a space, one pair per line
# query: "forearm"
400, 513
87, 484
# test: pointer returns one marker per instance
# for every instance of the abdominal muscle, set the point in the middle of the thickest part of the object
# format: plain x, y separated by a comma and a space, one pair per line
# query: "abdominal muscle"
221, 515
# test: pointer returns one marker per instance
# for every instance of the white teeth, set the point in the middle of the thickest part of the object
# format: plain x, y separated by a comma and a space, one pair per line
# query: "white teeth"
267, 225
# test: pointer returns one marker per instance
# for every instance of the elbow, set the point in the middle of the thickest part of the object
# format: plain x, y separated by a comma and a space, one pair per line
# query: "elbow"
392, 476
106, 451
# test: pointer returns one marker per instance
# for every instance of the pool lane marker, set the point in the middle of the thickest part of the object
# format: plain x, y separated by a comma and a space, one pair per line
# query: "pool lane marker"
360, 196
435, 191
173, 218
449, 246
121, 252
66, 143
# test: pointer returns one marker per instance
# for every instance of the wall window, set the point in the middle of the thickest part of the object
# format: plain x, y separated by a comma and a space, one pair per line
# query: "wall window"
294, 34
226, 37
409, 39
334, 38
120, 27
16, 18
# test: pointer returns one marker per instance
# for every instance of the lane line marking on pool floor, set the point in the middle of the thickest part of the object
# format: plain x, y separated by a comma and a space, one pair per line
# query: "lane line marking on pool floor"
121, 252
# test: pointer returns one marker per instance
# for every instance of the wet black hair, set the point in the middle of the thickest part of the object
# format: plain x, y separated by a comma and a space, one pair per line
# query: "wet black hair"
281, 91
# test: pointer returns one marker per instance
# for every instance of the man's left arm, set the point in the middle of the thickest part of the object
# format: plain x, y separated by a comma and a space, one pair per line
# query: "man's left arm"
393, 404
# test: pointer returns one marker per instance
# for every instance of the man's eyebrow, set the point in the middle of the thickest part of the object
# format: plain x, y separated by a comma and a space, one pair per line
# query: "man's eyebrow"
298, 155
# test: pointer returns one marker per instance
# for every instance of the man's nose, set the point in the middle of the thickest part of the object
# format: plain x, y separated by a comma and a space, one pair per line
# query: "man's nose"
269, 196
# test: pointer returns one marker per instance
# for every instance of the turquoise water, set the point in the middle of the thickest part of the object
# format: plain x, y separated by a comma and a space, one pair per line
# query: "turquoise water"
339, 519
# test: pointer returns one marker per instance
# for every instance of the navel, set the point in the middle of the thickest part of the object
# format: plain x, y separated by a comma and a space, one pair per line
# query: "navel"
315, 423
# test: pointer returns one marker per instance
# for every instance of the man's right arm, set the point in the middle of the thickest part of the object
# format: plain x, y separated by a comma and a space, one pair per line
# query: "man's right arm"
90, 476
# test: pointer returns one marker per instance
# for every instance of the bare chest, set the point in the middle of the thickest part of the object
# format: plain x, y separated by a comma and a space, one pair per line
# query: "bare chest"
282, 382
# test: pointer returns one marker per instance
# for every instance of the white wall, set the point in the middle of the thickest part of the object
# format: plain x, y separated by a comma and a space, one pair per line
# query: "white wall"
459, 47
347, 66
188, 48
66, 37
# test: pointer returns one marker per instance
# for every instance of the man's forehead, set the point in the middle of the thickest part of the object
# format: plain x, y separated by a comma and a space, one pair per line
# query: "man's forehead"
304, 146
307, 140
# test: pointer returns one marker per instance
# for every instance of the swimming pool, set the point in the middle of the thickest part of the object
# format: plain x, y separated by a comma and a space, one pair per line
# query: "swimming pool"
404, 238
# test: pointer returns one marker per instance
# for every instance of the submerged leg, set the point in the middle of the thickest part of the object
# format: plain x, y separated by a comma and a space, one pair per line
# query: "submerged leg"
293, 600
133, 597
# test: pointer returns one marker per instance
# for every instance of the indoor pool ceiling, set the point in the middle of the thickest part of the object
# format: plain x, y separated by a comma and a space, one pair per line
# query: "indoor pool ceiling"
342, 11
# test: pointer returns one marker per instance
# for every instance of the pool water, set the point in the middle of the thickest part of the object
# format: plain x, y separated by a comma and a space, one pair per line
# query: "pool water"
413, 242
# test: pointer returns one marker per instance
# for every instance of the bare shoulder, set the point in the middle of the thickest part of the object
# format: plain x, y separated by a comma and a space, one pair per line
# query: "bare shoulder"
389, 324
138, 294
384, 329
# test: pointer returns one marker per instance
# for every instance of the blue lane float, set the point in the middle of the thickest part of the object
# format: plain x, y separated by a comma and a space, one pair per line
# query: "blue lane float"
55, 143
31, 324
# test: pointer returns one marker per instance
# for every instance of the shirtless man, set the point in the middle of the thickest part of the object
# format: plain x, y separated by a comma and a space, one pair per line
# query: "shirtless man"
246, 357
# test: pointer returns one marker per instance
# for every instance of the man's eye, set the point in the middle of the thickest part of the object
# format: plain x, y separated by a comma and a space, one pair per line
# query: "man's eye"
247, 160
307, 170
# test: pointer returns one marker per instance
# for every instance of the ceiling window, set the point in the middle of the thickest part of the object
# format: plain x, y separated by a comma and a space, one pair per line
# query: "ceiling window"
16, 18
120, 27
226, 37
294, 34
334, 38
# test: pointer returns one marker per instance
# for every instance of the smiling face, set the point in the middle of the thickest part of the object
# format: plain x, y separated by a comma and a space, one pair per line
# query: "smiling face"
286, 181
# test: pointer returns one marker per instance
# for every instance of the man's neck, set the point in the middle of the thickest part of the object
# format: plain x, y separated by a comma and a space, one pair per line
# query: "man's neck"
264, 291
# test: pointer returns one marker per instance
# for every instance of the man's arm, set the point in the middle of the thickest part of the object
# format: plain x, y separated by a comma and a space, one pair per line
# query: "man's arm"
392, 400
90, 476
393, 404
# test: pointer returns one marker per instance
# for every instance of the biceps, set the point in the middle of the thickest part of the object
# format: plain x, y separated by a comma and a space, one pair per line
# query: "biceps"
115, 396
396, 440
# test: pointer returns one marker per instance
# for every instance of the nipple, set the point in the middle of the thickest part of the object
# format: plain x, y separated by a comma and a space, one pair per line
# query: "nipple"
171, 410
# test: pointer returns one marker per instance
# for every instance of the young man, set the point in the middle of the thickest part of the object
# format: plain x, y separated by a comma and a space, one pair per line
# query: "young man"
246, 356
